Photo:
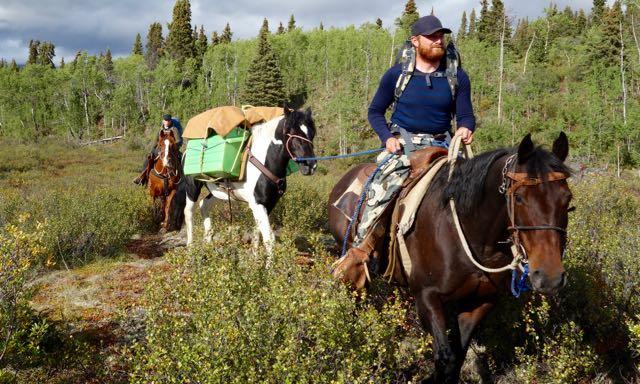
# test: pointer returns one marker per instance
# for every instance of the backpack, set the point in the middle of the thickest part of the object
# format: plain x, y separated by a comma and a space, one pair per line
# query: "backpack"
407, 56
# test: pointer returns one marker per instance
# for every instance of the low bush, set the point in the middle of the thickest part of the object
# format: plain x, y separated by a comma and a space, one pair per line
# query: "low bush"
222, 317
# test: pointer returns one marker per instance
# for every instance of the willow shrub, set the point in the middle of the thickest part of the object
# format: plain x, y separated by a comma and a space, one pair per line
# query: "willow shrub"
220, 316
82, 223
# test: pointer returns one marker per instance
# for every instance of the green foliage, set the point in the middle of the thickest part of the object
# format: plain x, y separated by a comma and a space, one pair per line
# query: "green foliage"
264, 83
155, 45
230, 320
409, 16
226, 34
180, 41
291, 25
462, 31
86, 217
137, 45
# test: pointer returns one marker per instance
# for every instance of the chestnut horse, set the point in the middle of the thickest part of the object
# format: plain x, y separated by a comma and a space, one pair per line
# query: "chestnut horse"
518, 196
165, 176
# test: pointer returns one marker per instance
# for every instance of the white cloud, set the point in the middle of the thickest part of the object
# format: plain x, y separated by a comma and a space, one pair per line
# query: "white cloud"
94, 25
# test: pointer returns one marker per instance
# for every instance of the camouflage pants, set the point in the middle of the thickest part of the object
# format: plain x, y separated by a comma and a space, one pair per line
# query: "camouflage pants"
387, 182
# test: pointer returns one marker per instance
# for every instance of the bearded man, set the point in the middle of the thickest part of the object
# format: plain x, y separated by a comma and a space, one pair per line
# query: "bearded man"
422, 116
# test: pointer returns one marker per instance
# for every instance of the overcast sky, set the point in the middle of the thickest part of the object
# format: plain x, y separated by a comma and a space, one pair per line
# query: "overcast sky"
94, 25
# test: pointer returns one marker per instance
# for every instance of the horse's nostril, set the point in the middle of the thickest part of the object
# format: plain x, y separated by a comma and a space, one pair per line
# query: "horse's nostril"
535, 272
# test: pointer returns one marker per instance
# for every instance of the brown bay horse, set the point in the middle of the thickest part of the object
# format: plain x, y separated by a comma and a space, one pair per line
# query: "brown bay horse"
165, 175
504, 196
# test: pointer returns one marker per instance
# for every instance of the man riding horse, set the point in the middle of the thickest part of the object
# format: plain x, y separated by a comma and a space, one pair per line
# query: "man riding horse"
424, 102
168, 124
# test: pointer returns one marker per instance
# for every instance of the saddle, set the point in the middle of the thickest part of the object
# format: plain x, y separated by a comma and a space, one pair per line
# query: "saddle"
422, 163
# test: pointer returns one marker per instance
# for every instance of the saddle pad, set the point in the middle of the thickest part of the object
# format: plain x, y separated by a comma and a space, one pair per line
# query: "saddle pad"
404, 215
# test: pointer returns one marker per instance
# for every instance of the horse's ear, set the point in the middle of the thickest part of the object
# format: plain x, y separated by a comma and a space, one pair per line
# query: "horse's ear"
525, 149
287, 110
561, 147
308, 112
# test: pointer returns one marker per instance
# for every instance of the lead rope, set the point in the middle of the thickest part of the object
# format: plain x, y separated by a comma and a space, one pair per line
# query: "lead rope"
454, 151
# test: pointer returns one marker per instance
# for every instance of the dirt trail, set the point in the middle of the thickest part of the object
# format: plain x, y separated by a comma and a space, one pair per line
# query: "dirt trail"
101, 303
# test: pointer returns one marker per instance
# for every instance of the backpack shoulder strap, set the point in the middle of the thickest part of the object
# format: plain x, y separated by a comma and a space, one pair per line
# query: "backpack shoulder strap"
453, 63
408, 60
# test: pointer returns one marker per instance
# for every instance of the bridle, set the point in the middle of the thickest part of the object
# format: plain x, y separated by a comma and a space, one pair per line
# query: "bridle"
511, 182
167, 173
290, 137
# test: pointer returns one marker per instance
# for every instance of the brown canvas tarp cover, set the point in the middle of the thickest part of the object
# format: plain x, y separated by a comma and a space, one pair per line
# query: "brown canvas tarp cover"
223, 119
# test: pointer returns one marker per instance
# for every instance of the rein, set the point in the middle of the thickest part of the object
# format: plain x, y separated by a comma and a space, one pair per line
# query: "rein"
511, 182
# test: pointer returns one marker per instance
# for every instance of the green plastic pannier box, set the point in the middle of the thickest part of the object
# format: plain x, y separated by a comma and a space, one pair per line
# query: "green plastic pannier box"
216, 156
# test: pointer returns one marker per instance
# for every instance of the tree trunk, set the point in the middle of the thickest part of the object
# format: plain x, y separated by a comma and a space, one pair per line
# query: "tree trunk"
635, 38
526, 55
624, 87
504, 23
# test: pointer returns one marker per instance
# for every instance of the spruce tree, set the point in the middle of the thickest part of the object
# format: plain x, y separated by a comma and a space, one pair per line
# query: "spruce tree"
180, 38
46, 53
497, 17
155, 45
33, 51
264, 84
598, 11
3, 63
409, 16
201, 43
462, 32
472, 24
226, 34
484, 22
215, 39
62, 63
292, 24
321, 27
581, 21
14, 66
108, 62
379, 23
281, 29
137, 45
608, 49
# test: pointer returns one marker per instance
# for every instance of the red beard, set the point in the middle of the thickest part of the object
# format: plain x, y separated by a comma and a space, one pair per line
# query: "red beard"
430, 53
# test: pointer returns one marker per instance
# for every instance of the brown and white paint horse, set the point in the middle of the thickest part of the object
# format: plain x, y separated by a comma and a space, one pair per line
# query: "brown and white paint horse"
165, 175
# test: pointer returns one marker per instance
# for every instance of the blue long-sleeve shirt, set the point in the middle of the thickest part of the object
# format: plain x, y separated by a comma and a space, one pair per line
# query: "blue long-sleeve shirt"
421, 109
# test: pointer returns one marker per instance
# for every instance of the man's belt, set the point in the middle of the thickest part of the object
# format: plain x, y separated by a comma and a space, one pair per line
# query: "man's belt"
410, 138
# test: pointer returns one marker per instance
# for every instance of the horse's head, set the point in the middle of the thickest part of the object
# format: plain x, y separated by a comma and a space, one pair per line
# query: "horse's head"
166, 147
538, 199
298, 132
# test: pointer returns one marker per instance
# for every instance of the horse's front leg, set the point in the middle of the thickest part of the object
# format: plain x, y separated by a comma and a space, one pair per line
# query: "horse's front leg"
432, 317
262, 222
164, 209
468, 320
167, 209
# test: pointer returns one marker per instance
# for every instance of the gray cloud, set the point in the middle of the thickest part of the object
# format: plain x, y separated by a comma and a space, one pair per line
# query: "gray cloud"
94, 25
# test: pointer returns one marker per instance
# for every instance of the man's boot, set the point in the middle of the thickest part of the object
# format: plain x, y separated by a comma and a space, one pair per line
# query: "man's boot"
143, 179
352, 268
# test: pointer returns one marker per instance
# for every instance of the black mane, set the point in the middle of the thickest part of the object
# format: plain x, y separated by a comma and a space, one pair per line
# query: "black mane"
469, 176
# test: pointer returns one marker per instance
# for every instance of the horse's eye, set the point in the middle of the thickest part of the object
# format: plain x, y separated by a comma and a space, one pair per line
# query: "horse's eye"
518, 198
571, 209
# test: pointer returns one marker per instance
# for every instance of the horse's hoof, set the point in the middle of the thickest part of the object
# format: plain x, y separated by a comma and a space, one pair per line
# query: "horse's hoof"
162, 231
